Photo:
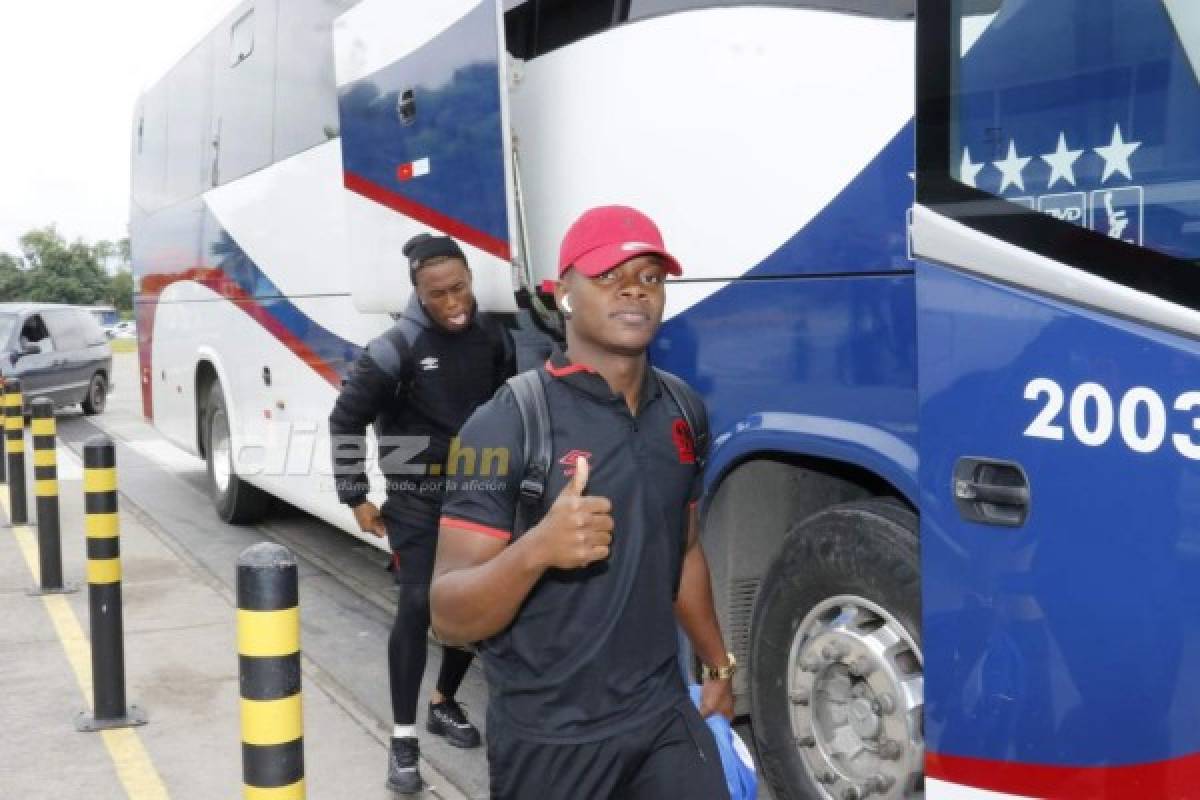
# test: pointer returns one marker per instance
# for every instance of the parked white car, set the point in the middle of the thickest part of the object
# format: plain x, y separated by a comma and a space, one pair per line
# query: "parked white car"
126, 329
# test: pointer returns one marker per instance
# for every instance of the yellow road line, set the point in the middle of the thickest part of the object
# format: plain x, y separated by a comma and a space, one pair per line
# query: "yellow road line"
134, 768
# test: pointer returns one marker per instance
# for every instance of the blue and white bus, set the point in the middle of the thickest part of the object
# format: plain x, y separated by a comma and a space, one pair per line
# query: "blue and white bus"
949, 508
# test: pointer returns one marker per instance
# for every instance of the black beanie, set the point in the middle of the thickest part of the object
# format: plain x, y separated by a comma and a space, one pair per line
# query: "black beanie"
423, 247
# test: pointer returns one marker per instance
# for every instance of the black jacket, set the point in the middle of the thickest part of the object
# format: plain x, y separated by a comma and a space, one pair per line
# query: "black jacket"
417, 381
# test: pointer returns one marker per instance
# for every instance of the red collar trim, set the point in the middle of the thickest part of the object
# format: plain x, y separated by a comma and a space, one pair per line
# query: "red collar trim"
570, 369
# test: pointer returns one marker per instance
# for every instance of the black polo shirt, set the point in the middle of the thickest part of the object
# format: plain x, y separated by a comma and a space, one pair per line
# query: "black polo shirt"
592, 652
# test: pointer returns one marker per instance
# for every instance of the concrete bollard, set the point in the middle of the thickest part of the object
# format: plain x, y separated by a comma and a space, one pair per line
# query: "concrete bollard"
14, 449
45, 490
104, 591
268, 634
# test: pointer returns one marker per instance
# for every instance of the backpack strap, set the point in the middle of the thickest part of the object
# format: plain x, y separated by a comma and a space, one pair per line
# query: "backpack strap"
693, 411
392, 350
502, 340
530, 395
696, 416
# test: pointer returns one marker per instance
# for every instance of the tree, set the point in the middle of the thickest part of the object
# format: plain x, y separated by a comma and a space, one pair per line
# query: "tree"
122, 290
14, 283
51, 270
59, 272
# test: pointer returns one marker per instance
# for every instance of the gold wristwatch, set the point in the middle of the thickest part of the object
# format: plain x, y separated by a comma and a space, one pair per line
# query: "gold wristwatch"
719, 673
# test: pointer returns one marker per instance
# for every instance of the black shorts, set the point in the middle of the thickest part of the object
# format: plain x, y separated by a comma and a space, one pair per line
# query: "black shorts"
674, 755
412, 526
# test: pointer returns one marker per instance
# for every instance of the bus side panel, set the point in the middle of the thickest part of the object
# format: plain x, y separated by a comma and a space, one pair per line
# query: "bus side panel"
1062, 656
843, 347
425, 142
164, 244
736, 129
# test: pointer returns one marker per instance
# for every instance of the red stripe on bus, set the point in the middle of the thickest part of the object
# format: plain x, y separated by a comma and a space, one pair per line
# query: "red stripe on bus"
410, 208
1172, 778
217, 281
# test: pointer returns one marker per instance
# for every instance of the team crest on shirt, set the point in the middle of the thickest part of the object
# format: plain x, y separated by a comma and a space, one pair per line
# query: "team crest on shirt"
572, 456
685, 443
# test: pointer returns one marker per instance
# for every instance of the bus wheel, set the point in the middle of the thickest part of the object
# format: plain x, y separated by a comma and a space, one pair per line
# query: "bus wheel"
837, 686
236, 501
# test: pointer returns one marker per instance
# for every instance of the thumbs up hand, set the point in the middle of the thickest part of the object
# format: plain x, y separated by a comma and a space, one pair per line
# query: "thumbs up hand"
577, 530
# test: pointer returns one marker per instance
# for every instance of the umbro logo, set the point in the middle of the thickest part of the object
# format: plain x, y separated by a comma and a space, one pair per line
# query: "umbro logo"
569, 460
429, 363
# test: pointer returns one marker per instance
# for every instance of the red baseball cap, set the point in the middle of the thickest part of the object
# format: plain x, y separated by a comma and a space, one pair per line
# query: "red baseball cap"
608, 236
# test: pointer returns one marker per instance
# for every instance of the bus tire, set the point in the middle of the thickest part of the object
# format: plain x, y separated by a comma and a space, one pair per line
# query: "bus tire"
836, 645
97, 395
236, 501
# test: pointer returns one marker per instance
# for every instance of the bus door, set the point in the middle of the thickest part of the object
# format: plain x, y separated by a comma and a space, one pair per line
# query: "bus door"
422, 98
1058, 289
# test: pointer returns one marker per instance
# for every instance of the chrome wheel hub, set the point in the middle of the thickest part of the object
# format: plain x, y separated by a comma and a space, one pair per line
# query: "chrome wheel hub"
856, 688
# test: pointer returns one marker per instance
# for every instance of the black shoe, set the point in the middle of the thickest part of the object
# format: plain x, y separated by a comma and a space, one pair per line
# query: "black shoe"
403, 774
447, 719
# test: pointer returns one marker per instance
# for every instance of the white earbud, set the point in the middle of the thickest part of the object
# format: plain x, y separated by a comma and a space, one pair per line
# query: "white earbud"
566, 303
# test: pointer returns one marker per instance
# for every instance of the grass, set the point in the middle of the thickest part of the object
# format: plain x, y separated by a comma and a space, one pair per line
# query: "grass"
123, 345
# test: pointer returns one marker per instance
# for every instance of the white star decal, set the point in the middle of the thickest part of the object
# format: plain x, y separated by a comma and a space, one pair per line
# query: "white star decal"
1116, 155
1062, 162
968, 172
1012, 167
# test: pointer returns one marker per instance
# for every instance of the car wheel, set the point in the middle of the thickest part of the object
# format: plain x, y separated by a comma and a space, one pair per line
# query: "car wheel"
837, 682
97, 395
236, 501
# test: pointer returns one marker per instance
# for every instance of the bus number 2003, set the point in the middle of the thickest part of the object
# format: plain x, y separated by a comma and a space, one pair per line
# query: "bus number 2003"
1093, 416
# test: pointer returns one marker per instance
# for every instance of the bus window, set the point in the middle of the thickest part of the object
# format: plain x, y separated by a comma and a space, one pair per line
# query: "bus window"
1093, 137
150, 159
306, 112
875, 8
243, 89
188, 145
535, 28
1080, 111
1185, 16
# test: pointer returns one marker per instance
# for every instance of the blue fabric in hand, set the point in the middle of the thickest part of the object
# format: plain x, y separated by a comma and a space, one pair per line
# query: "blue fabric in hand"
735, 758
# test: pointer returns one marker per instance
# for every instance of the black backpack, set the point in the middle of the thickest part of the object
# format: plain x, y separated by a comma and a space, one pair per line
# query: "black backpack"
530, 394
391, 350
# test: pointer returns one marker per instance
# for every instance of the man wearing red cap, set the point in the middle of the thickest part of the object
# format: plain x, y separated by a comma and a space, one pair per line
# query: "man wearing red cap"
576, 610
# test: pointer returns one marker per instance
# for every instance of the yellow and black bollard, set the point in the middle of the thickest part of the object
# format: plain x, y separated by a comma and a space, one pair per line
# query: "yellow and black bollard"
3, 416
14, 448
45, 490
268, 634
104, 591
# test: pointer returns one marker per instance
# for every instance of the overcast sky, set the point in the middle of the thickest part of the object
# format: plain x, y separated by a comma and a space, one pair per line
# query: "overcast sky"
70, 72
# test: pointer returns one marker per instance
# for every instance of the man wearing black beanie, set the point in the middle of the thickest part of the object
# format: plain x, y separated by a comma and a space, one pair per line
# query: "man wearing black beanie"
417, 383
